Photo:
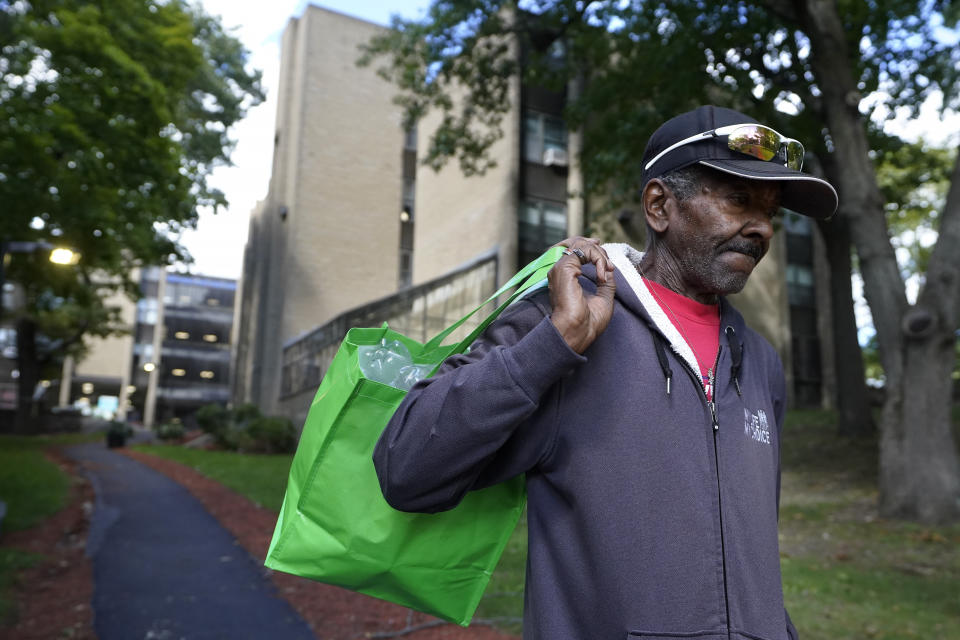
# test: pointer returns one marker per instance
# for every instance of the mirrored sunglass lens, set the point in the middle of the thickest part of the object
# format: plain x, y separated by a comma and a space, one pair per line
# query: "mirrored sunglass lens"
794, 155
758, 142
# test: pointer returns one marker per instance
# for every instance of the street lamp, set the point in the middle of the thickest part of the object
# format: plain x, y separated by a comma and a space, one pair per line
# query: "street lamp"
64, 256
58, 255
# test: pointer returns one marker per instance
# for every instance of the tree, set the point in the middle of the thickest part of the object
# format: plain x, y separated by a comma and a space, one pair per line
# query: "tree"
914, 179
112, 117
825, 71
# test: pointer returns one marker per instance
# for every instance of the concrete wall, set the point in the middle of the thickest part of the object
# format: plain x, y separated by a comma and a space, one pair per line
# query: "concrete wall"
342, 230
459, 217
245, 315
110, 357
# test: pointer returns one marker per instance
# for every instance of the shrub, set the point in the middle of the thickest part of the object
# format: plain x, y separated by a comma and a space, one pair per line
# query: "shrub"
170, 431
117, 433
273, 435
235, 439
244, 414
244, 428
213, 419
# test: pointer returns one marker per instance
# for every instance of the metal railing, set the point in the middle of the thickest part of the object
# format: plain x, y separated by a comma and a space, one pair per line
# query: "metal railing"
419, 312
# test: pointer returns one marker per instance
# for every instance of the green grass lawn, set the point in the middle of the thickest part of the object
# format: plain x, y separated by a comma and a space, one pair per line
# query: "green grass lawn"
848, 574
34, 489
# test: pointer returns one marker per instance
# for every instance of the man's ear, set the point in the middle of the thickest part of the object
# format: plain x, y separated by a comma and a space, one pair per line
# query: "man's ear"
654, 199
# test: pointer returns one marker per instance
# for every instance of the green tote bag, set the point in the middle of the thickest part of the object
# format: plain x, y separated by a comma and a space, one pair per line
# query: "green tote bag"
335, 526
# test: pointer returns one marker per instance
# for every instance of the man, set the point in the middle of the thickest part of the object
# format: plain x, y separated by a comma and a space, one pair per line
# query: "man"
644, 413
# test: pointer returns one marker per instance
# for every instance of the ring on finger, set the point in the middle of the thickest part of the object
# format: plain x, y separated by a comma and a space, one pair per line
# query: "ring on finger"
579, 253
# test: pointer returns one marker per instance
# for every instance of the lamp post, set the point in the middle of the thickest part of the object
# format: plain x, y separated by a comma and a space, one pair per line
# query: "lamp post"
58, 255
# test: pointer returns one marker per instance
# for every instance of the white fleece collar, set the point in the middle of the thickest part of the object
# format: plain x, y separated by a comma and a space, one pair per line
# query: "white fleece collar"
627, 260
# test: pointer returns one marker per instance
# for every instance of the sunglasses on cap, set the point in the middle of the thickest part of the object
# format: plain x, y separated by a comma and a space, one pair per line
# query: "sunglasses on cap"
751, 139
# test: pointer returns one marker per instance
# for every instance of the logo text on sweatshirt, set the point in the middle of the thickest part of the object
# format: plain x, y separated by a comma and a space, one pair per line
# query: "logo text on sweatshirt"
755, 426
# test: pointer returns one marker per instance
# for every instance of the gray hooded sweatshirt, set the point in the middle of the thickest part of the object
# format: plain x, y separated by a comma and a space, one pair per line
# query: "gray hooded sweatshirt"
651, 513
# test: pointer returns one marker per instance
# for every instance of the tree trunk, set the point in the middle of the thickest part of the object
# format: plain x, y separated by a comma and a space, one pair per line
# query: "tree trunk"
29, 369
919, 469
854, 413
920, 472
919, 465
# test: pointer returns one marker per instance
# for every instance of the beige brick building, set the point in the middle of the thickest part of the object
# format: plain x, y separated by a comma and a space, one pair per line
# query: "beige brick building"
350, 217
325, 239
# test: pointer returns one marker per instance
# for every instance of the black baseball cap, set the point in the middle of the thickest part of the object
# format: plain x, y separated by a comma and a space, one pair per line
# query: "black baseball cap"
802, 192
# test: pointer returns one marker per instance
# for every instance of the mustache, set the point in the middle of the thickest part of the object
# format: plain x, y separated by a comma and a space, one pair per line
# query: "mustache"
747, 247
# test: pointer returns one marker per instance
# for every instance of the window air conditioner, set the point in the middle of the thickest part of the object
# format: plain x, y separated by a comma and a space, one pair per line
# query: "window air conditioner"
554, 157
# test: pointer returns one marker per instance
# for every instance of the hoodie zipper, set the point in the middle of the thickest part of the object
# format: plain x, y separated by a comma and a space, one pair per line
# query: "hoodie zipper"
713, 394
715, 427
716, 462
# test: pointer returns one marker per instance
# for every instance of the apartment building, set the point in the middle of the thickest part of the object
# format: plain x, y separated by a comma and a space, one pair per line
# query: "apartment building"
181, 345
174, 359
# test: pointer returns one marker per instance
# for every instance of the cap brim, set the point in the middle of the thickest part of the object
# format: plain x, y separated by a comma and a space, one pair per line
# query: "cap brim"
802, 193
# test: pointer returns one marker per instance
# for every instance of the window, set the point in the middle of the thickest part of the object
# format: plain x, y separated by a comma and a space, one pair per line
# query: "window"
406, 268
409, 189
410, 138
405, 278
801, 294
541, 132
800, 286
540, 225
144, 350
406, 231
147, 310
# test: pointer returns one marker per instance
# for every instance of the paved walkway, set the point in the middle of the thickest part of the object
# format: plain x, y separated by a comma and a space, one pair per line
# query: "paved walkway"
164, 568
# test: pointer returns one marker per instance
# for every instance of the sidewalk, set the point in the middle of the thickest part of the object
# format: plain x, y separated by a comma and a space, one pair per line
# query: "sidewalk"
164, 568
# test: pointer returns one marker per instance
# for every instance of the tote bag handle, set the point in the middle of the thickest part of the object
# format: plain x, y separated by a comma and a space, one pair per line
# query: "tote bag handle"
532, 274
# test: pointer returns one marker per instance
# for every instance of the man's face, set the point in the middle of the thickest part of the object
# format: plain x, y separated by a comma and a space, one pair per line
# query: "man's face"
720, 234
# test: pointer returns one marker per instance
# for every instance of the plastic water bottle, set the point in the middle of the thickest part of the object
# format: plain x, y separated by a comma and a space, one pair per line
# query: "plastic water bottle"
390, 363
382, 362
410, 375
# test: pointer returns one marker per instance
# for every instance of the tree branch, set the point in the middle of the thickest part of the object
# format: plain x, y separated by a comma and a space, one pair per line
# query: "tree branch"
60, 345
942, 287
76, 337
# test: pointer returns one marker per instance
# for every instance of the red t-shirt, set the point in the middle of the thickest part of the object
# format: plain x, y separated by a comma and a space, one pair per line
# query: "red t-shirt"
698, 323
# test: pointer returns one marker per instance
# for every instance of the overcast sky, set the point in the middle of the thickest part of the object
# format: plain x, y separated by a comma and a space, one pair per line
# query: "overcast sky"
217, 244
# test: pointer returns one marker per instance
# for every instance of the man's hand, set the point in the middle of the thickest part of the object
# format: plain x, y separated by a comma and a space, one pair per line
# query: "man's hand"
580, 318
